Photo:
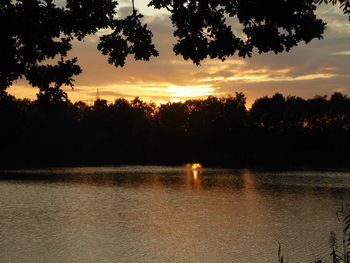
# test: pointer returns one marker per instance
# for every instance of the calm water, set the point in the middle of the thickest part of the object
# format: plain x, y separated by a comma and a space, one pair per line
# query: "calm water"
167, 214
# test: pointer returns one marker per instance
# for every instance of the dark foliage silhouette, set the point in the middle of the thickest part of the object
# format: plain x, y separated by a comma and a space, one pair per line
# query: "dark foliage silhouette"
33, 32
277, 130
36, 34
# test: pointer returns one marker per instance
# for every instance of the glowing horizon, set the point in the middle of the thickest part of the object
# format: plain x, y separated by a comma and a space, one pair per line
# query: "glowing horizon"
318, 68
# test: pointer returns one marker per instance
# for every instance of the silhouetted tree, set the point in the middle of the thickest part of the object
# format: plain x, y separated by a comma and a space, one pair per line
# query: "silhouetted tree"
34, 33
173, 115
12, 121
268, 113
339, 103
171, 131
277, 129
295, 113
232, 120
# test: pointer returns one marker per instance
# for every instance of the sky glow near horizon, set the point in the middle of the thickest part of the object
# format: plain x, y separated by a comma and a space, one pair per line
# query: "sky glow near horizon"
320, 67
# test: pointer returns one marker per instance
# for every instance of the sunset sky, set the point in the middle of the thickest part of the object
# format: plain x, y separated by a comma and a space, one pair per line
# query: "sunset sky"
320, 67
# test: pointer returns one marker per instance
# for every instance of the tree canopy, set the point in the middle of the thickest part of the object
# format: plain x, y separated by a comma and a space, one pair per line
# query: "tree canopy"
36, 35
275, 131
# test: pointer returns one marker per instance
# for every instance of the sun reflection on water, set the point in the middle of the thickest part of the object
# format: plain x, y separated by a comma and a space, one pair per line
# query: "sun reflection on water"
193, 175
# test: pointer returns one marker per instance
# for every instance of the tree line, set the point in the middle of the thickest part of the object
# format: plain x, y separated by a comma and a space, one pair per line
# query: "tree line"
276, 131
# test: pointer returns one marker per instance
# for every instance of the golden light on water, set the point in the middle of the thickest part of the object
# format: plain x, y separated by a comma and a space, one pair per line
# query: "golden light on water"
195, 167
194, 171
195, 175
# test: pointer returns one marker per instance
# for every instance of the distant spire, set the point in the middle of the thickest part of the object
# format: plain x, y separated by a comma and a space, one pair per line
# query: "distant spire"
97, 94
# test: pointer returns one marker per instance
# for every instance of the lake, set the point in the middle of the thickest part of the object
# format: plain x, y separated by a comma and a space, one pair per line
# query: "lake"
168, 214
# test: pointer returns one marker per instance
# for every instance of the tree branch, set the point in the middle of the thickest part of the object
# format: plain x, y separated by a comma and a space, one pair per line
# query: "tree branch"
133, 7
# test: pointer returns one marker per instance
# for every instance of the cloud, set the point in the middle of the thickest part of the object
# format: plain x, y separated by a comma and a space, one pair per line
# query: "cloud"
124, 11
320, 67
341, 53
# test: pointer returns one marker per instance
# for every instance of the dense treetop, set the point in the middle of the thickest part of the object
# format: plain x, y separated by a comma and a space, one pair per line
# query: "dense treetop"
277, 130
34, 33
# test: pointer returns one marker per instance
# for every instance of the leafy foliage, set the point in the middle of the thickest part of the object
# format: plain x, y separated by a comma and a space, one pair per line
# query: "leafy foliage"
203, 28
36, 33
277, 130
129, 37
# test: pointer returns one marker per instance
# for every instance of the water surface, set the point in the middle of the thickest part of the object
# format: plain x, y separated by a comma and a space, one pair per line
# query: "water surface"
167, 214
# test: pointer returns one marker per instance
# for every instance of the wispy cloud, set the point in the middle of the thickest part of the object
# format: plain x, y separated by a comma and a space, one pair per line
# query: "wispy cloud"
341, 53
320, 67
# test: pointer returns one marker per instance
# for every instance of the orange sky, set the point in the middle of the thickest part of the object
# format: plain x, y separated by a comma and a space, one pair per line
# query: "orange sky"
321, 67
